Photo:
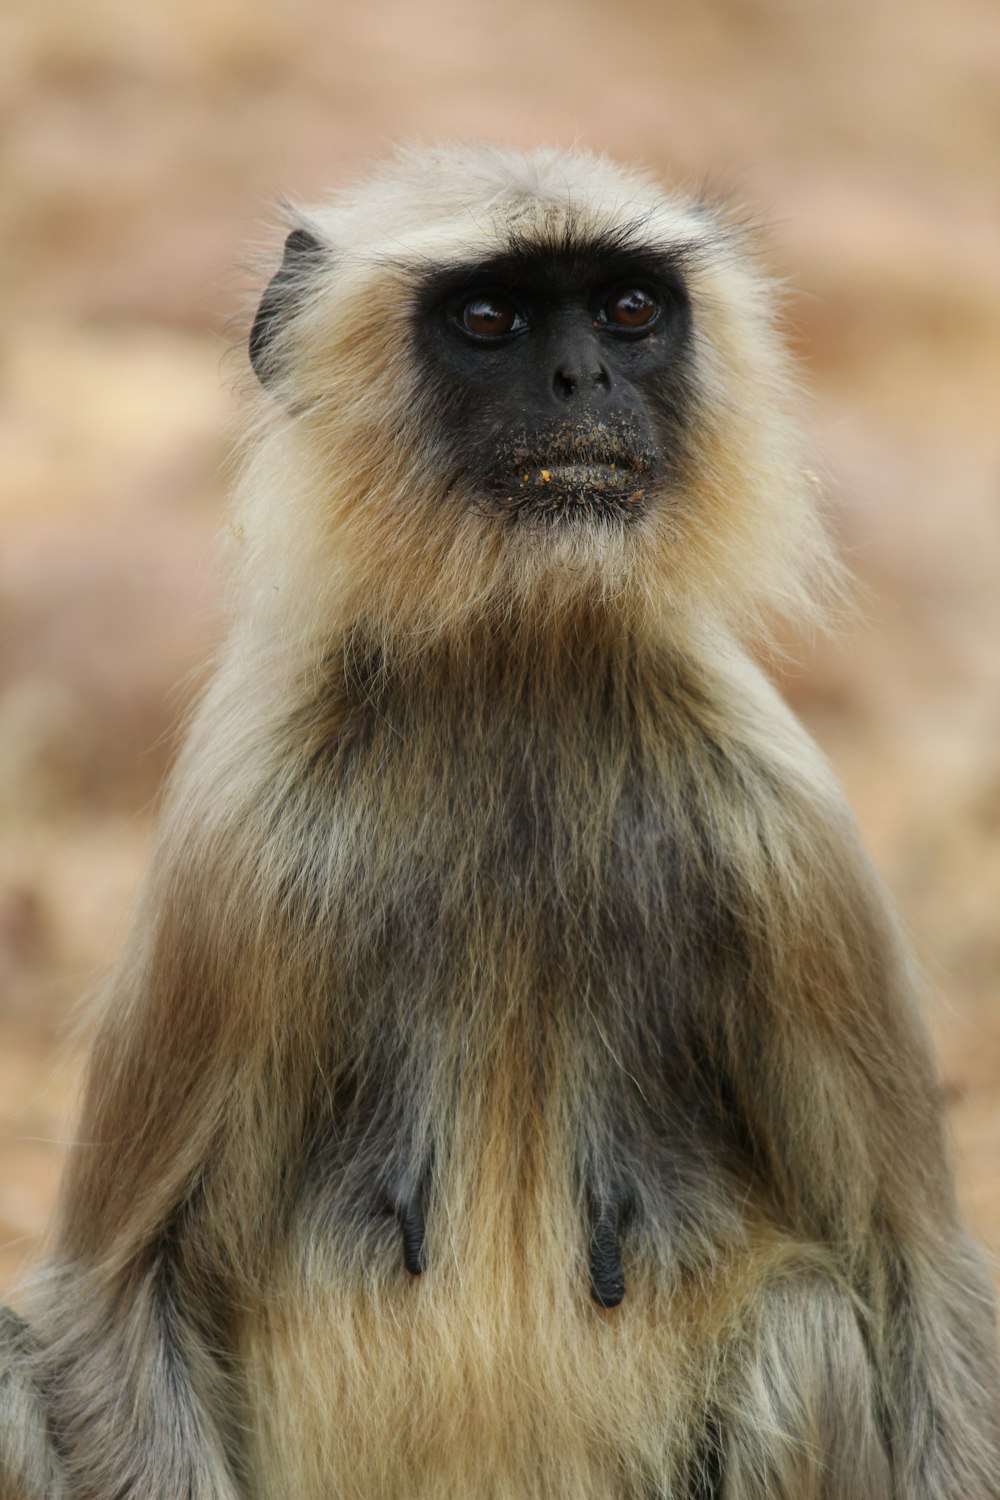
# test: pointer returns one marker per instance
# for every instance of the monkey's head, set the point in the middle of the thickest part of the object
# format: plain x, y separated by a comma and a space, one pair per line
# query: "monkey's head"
503, 385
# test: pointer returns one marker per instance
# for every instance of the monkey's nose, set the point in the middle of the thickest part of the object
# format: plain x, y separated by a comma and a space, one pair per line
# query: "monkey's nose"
583, 378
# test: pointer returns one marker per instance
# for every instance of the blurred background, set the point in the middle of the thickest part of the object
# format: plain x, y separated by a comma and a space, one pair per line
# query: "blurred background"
144, 150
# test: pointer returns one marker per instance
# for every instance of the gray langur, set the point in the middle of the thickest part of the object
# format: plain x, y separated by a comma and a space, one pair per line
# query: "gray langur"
513, 1085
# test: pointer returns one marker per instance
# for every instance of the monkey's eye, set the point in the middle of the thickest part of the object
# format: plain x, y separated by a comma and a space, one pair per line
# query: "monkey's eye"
632, 309
489, 316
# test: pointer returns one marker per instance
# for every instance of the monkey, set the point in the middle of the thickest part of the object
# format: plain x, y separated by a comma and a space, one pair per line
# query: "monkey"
28, 1464
514, 1082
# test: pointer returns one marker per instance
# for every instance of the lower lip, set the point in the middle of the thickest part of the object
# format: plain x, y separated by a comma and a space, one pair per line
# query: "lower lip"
577, 477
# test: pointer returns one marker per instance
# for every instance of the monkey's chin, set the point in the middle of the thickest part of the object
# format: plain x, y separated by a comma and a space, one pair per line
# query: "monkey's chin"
573, 493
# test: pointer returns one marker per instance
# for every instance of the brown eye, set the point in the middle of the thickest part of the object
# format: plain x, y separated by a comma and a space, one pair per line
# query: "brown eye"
488, 317
631, 308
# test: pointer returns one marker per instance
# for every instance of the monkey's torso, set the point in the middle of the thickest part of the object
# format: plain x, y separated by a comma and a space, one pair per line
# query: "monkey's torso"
541, 988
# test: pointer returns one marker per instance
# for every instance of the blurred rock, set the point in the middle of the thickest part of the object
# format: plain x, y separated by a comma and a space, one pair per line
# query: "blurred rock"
47, 747
23, 929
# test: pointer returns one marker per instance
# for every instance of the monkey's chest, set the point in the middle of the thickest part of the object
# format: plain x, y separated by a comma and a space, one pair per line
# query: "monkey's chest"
544, 1106
526, 1125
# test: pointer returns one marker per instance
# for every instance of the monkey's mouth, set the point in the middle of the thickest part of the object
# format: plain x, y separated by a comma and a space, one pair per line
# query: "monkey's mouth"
608, 490
579, 476
575, 473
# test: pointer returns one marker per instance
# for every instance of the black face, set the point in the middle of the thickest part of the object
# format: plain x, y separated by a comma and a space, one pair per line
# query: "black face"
559, 380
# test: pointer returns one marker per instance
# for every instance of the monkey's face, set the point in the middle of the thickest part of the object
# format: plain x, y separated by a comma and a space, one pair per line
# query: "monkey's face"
502, 385
558, 379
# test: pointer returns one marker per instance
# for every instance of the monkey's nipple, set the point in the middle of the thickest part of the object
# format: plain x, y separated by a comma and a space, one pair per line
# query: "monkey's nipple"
607, 1278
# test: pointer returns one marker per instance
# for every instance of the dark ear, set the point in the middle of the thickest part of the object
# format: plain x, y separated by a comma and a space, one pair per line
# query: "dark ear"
303, 254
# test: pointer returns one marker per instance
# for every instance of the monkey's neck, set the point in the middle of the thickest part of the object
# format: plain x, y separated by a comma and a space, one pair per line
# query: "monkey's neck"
585, 662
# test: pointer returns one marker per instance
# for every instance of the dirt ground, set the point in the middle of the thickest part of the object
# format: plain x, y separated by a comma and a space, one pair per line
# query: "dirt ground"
144, 148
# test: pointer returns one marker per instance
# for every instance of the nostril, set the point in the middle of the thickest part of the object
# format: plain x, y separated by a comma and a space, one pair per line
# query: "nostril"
564, 383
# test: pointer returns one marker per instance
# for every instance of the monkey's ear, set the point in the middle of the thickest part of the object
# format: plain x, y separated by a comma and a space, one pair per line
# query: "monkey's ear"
282, 299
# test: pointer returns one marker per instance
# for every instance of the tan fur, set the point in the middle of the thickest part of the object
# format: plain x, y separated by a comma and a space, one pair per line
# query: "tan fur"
495, 853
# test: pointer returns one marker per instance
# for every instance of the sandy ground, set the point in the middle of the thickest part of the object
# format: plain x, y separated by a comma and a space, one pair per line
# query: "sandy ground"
144, 150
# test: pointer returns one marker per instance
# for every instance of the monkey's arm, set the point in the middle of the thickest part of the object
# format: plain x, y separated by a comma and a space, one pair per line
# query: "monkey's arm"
131, 1308
129, 1312
836, 1089
196, 1108
806, 1029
